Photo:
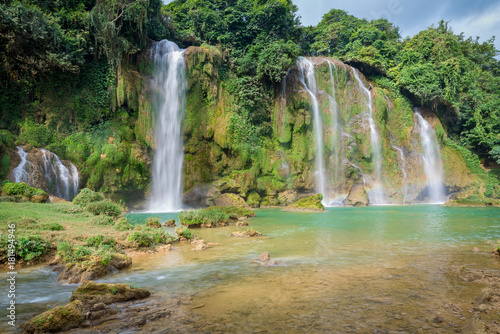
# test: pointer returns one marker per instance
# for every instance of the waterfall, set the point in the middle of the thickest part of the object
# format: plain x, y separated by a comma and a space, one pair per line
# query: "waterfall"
57, 179
60, 181
433, 165
378, 192
337, 128
403, 170
20, 173
307, 78
170, 81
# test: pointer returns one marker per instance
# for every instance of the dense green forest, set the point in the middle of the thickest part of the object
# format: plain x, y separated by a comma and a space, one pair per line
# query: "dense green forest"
62, 63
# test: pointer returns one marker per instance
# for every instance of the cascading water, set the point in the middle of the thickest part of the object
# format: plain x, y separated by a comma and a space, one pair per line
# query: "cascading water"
378, 191
60, 181
307, 78
403, 169
433, 165
20, 173
337, 129
170, 81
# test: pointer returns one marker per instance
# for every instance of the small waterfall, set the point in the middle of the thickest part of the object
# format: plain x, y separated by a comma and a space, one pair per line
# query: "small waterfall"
60, 181
170, 79
337, 128
403, 169
433, 165
57, 179
378, 192
22, 172
307, 78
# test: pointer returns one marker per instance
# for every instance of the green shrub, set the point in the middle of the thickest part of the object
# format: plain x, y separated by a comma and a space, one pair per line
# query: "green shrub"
153, 222
104, 207
100, 240
148, 238
87, 196
102, 220
184, 232
34, 134
203, 216
81, 253
141, 239
233, 211
32, 247
122, 224
21, 189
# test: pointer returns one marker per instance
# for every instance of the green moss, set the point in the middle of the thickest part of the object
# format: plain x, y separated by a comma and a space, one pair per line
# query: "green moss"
308, 203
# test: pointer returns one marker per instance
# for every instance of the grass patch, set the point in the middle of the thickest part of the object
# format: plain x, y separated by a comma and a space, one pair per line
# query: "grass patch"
42, 227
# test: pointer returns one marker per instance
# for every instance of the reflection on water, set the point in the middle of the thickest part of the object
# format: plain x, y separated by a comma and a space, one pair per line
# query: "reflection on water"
345, 270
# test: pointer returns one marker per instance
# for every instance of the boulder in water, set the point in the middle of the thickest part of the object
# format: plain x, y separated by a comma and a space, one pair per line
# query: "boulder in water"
357, 196
265, 260
246, 234
169, 223
307, 204
61, 318
231, 200
91, 293
74, 273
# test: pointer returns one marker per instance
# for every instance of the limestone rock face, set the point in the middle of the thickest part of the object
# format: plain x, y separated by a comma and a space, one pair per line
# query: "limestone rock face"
231, 200
357, 196
307, 204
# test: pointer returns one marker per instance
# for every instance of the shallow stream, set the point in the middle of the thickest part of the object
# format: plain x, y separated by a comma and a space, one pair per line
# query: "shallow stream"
346, 270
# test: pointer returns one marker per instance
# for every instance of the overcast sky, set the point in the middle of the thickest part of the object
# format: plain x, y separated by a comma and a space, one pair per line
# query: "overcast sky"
472, 17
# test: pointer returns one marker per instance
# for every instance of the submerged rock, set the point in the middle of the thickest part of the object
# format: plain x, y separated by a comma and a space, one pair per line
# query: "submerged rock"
264, 259
357, 196
246, 234
307, 204
199, 245
231, 200
169, 223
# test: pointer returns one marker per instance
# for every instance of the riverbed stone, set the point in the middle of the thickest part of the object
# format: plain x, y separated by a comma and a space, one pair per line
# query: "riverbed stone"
60, 318
169, 223
231, 200
357, 196
246, 234
92, 293
307, 204
74, 273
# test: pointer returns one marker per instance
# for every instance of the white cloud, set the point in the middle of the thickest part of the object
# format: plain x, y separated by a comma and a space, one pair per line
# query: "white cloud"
484, 24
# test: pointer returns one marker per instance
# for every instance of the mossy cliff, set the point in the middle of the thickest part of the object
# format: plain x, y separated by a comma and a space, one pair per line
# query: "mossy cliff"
281, 169
103, 123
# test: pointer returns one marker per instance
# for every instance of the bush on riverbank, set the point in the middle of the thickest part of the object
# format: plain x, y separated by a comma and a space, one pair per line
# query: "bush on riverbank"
147, 237
23, 190
153, 222
213, 216
184, 232
95, 203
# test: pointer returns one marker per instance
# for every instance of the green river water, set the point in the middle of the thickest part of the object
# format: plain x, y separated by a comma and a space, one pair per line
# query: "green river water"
345, 270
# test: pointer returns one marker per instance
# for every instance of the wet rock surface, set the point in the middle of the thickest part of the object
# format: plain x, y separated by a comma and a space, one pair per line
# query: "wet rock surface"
74, 273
